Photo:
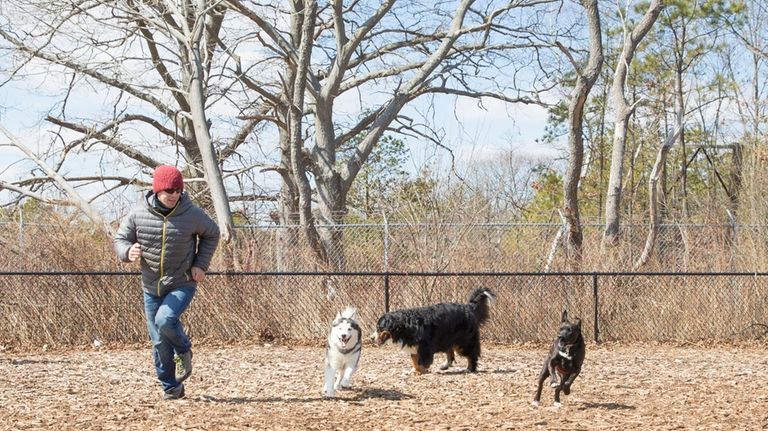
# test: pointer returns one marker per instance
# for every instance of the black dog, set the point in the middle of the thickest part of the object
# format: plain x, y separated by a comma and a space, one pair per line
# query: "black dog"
444, 327
564, 360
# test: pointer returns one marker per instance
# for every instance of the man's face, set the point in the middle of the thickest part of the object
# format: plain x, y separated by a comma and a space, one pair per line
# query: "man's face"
169, 197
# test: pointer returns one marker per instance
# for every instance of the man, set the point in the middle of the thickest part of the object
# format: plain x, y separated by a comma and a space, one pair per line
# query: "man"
175, 240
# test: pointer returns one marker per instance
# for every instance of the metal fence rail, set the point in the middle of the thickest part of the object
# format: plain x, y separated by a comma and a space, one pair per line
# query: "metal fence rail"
77, 308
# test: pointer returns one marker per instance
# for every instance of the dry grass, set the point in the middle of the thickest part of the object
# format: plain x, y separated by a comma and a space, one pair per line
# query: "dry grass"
65, 244
78, 309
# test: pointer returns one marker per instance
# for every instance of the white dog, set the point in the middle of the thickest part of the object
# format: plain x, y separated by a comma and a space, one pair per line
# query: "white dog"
342, 351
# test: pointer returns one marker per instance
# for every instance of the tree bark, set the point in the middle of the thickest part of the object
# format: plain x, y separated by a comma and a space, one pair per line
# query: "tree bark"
196, 100
210, 163
584, 82
655, 192
623, 113
296, 138
736, 181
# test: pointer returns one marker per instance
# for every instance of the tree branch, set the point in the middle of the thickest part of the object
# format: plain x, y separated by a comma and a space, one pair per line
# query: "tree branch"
74, 197
85, 70
107, 140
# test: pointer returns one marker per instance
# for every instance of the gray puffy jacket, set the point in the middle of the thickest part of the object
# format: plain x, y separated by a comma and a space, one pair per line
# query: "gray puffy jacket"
170, 245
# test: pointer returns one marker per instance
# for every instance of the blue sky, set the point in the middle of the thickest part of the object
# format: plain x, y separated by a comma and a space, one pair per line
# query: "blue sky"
474, 133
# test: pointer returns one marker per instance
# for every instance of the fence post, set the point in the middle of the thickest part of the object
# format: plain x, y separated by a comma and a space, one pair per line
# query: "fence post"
386, 292
386, 242
595, 302
21, 237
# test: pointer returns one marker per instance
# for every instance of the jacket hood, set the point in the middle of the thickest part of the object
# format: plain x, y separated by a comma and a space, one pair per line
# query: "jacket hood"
182, 206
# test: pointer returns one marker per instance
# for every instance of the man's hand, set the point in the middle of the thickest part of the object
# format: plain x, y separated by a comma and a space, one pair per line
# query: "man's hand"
134, 252
197, 274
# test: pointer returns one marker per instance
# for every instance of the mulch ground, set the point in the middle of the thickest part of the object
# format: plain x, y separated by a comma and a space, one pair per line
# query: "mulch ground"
622, 387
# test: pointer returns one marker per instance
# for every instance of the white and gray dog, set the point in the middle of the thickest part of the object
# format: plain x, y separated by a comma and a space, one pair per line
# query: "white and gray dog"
342, 351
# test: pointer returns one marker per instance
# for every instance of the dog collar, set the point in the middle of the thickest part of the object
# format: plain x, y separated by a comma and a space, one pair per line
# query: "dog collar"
352, 349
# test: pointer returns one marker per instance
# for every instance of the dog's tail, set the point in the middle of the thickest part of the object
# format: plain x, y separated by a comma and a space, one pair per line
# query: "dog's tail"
481, 299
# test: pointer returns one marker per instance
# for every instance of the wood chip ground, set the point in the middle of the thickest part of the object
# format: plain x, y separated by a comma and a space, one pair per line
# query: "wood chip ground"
642, 387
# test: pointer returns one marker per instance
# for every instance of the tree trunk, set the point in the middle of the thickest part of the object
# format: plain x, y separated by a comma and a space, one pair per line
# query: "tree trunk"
655, 191
331, 198
623, 113
333, 183
288, 216
680, 102
205, 144
296, 138
584, 83
734, 191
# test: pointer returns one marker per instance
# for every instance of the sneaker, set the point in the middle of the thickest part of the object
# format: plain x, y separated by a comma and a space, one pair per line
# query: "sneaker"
175, 393
184, 368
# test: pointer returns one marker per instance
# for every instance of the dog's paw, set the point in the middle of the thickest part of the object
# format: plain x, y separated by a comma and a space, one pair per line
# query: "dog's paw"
535, 403
556, 405
554, 385
329, 394
566, 390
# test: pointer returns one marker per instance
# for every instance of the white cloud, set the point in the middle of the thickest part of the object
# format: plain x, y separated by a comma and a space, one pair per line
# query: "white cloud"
485, 130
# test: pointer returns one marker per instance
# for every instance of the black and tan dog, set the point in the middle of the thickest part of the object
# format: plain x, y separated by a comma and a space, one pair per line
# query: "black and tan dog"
445, 327
565, 359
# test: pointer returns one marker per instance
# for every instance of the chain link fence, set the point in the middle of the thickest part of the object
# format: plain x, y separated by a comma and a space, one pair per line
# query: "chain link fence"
414, 248
79, 308
505, 247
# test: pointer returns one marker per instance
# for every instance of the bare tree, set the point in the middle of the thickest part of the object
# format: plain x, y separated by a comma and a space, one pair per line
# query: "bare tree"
586, 77
749, 30
74, 198
656, 196
359, 48
176, 70
95, 41
691, 37
624, 110
294, 120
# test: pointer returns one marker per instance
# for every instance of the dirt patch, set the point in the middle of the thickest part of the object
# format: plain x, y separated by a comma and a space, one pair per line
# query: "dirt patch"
278, 387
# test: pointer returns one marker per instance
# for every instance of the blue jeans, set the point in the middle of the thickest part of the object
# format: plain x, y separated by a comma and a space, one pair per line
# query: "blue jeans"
167, 332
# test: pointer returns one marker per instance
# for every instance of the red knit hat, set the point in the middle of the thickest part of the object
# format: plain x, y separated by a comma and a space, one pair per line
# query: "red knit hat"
167, 177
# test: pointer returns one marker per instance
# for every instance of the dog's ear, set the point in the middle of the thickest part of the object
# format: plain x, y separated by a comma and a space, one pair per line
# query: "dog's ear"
577, 322
489, 294
564, 317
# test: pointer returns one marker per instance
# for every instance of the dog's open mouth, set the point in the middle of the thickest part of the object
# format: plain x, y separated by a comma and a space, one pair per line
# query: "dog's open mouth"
344, 339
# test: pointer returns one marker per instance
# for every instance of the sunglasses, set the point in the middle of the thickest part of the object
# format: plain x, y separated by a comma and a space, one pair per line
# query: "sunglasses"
172, 191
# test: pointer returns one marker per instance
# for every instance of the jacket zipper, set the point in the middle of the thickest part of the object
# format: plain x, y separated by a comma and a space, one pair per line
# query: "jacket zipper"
162, 248
162, 255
